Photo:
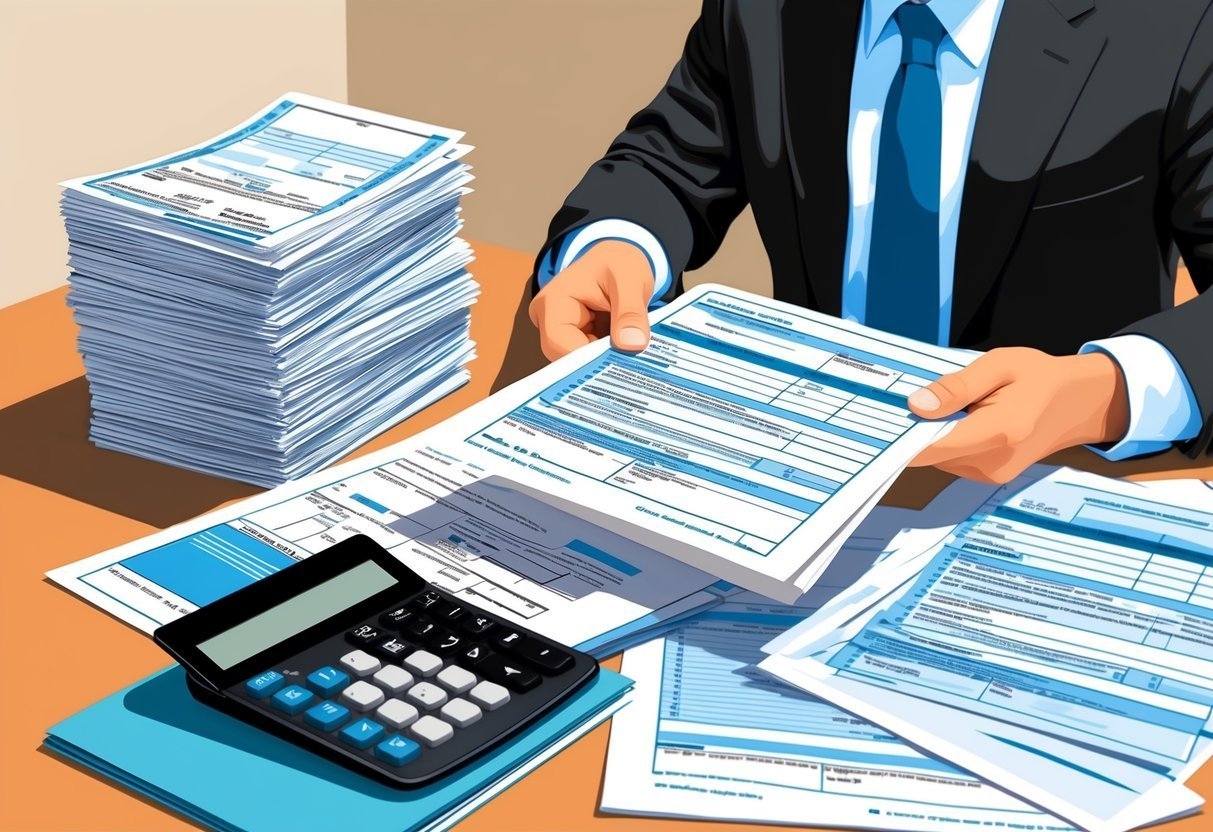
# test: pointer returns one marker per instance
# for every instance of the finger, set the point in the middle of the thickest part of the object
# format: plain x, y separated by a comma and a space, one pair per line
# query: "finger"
958, 390
562, 320
978, 433
629, 293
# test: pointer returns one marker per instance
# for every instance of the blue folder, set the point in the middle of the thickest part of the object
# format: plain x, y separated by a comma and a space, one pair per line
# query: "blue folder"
155, 738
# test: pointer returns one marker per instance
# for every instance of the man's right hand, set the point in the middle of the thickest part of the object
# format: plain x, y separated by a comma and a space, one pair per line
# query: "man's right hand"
609, 285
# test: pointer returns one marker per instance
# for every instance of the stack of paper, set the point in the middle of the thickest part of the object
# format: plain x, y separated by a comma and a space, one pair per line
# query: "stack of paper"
256, 306
227, 775
1058, 644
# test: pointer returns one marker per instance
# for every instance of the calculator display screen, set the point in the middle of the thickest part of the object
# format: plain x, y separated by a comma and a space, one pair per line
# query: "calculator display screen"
295, 615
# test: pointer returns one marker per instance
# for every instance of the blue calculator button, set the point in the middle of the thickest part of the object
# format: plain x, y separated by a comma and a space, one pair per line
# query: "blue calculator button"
361, 734
398, 750
327, 716
328, 681
293, 699
262, 686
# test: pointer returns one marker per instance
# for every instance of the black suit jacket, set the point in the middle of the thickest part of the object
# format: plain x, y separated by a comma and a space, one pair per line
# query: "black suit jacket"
1090, 170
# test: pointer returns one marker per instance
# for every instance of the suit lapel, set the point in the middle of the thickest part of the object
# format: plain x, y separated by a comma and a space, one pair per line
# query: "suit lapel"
1038, 65
819, 38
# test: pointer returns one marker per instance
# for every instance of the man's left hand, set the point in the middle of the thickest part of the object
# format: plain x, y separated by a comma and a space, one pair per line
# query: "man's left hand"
1022, 405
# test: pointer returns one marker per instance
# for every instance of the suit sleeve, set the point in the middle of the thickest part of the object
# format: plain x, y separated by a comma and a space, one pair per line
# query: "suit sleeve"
674, 170
1188, 177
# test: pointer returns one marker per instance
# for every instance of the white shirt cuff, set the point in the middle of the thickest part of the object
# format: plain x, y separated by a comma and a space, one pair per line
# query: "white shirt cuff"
1162, 406
577, 243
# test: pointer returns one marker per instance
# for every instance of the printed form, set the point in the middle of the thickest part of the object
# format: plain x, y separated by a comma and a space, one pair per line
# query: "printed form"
274, 178
709, 736
747, 442
1059, 644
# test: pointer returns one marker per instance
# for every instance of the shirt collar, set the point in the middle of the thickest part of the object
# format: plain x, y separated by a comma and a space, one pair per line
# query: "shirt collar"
969, 23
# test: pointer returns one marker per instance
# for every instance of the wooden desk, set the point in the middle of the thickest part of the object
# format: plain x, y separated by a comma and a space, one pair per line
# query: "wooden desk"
63, 499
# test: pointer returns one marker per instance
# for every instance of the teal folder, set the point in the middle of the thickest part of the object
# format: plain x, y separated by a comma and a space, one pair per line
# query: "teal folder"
155, 738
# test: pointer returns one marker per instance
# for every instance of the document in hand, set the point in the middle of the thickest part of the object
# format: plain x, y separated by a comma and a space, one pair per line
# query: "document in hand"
257, 305
747, 442
1058, 644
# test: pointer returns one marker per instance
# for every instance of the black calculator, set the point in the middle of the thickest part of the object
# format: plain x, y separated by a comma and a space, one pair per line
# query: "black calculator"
351, 654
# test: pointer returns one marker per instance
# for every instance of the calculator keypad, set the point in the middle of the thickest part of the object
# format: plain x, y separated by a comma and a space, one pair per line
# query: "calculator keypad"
411, 680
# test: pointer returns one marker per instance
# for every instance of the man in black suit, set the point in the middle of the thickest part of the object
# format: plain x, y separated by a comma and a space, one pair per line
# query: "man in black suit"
1066, 148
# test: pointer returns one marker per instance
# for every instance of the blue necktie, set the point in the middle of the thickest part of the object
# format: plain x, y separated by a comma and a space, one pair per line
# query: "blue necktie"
903, 260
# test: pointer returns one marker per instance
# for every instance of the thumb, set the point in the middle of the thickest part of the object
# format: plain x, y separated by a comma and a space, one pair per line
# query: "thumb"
956, 391
629, 294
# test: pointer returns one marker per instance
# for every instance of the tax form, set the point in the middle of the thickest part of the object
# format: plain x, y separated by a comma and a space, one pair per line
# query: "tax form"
1059, 644
478, 538
277, 179
748, 440
709, 736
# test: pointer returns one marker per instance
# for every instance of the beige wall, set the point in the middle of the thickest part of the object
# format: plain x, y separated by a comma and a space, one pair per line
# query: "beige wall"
540, 86
89, 85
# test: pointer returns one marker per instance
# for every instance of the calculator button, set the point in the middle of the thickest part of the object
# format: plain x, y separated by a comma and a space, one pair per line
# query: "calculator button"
508, 640
423, 664
431, 731
397, 713
397, 750
475, 654
509, 673
393, 679
293, 699
460, 713
489, 695
327, 681
420, 627
549, 660
456, 680
327, 716
362, 696
426, 696
426, 600
362, 733
267, 684
397, 618
477, 625
393, 648
360, 663
448, 612
445, 643
364, 635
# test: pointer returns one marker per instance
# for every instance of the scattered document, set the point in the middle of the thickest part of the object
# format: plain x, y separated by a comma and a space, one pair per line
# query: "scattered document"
258, 305
1059, 644
710, 737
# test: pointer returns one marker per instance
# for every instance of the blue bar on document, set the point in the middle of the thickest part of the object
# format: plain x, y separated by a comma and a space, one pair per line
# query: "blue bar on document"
369, 503
583, 548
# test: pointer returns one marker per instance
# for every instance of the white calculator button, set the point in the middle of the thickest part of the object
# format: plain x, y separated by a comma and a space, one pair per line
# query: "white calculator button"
489, 695
456, 679
393, 679
397, 713
431, 731
360, 663
423, 663
362, 696
460, 713
426, 696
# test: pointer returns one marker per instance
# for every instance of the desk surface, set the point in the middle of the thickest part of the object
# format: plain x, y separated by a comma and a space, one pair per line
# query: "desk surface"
64, 499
